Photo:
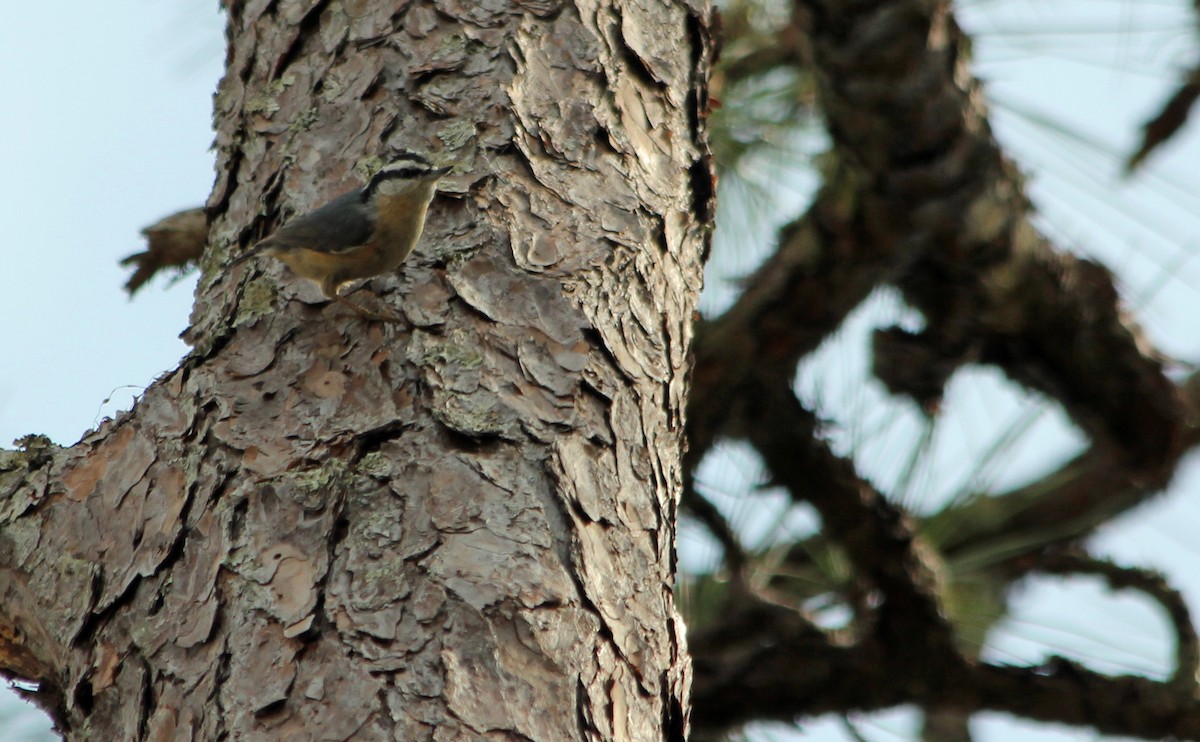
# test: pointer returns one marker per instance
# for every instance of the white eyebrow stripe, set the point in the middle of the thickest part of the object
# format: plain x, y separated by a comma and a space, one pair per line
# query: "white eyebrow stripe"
407, 162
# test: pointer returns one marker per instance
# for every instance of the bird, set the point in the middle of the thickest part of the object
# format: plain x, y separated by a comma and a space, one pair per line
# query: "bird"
361, 234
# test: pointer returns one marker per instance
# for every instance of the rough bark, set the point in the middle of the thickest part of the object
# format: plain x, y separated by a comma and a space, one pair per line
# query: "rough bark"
463, 526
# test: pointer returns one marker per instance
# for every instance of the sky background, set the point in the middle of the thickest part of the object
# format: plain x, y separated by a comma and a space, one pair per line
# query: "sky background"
106, 127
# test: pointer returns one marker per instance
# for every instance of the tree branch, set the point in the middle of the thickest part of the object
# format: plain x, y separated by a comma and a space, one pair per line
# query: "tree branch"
1152, 584
919, 194
804, 673
174, 242
877, 537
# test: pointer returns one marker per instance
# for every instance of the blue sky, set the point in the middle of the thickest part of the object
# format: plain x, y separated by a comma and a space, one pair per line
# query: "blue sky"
104, 128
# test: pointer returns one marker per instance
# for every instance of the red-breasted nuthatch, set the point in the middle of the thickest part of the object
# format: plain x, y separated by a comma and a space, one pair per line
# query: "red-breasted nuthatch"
360, 234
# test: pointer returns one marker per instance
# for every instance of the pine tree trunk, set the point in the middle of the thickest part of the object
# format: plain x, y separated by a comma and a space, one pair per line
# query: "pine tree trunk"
463, 526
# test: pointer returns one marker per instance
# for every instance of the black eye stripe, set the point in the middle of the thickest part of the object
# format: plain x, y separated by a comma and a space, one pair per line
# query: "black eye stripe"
407, 167
413, 156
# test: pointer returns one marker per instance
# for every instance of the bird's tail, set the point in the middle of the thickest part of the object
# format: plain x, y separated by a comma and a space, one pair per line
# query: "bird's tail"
253, 252
258, 249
